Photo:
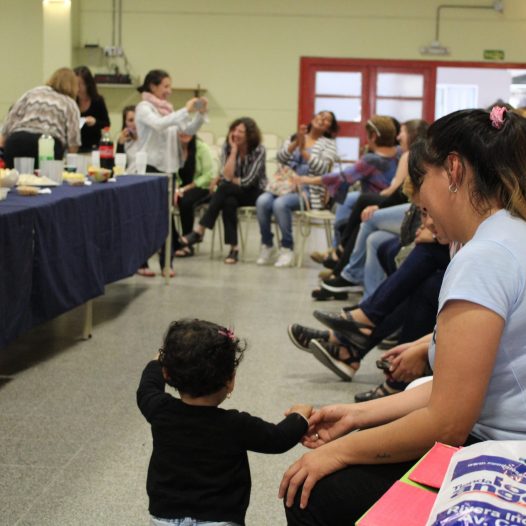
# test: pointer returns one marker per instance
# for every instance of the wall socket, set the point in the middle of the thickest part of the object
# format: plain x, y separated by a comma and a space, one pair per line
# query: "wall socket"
113, 51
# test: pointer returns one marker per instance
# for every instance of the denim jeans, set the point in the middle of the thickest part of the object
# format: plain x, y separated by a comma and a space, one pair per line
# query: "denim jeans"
343, 212
187, 521
387, 219
282, 208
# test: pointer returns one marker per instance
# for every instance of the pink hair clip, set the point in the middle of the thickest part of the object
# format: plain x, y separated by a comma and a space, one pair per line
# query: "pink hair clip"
497, 116
228, 333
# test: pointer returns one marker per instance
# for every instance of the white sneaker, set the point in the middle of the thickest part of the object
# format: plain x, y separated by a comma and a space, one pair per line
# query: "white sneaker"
285, 259
265, 255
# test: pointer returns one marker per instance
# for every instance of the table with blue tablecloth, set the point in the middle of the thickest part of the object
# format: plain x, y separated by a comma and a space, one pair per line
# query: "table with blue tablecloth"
58, 251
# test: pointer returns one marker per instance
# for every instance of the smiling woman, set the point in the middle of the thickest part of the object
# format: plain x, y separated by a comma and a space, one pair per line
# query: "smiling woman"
469, 171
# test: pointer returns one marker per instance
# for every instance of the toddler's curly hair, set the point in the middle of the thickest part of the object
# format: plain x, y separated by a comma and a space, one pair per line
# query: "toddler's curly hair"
199, 356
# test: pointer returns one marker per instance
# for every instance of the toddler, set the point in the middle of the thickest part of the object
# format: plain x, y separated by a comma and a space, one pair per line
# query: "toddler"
199, 472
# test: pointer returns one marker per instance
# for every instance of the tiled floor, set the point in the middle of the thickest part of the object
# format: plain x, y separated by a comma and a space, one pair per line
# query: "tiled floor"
74, 447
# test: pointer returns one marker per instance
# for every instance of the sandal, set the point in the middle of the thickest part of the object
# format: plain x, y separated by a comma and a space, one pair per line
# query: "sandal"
328, 354
192, 238
301, 336
146, 272
232, 258
184, 252
346, 325
378, 392
172, 273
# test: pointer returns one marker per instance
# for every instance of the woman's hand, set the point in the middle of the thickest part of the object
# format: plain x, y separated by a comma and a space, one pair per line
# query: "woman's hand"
409, 364
190, 104
124, 136
424, 235
368, 212
90, 121
327, 424
232, 143
308, 470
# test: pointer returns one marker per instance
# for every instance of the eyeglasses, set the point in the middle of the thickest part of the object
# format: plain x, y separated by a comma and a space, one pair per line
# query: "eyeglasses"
373, 126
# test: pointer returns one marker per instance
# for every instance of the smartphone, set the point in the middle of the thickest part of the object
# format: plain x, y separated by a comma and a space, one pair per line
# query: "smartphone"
132, 134
384, 365
199, 104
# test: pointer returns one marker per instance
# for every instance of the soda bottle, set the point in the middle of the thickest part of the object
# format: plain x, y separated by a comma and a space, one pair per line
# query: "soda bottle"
46, 148
106, 150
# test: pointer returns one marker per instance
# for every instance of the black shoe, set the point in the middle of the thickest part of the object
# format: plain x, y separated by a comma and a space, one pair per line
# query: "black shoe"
340, 284
346, 326
301, 336
378, 392
326, 295
328, 354
330, 262
390, 342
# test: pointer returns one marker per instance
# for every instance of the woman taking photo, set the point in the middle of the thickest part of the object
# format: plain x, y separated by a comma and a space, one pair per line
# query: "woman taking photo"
242, 180
158, 128
470, 176
310, 152
49, 109
92, 109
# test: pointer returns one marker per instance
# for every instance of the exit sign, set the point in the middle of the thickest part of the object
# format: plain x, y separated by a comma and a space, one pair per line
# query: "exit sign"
493, 54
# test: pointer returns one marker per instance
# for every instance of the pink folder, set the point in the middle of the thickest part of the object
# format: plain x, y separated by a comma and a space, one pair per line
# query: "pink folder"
431, 470
401, 505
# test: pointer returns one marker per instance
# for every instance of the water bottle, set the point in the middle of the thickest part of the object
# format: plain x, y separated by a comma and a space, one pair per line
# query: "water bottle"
46, 149
106, 150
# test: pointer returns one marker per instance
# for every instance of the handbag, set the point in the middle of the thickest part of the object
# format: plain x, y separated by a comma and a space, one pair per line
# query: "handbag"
280, 183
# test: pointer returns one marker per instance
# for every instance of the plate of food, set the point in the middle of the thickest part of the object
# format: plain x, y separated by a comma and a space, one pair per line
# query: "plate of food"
33, 180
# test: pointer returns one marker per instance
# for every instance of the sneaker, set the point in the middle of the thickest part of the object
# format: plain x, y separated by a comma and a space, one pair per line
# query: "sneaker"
301, 336
327, 295
285, 259
328, 354
265, 255
340, 284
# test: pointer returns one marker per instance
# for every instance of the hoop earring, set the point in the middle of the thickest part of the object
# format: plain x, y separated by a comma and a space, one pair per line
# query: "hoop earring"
453, 188
229, 394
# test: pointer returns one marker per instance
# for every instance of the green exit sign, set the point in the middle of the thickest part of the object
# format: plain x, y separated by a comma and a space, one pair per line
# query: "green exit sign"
493, 54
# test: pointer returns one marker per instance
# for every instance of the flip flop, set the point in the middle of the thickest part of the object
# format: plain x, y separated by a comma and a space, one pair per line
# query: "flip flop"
146, 272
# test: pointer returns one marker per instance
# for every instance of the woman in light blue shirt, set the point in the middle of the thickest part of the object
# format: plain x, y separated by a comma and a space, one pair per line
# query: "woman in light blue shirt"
470, 173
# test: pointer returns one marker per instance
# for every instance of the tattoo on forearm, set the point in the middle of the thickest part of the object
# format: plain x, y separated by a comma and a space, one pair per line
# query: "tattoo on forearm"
383, 455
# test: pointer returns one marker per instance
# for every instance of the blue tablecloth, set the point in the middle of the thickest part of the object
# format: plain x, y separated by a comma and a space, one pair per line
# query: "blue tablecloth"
58, 251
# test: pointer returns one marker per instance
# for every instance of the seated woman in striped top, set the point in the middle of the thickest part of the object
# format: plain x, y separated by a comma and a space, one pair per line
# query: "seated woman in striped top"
310, 153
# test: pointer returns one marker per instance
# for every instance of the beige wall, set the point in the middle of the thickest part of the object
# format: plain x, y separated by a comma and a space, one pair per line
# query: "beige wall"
246, 52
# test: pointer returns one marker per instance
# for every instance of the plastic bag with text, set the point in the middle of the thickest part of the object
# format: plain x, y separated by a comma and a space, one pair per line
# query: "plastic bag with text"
485, 485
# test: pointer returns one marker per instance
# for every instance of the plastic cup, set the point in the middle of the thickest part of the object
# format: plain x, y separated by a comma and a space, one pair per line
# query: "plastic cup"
141, 160
83, 162
24, 165
95, 159
71, 161
120, 163
53, 170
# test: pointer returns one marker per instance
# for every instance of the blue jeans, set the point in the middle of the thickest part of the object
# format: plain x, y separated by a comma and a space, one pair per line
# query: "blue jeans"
387, 219
187, 521
343, 212
282, 208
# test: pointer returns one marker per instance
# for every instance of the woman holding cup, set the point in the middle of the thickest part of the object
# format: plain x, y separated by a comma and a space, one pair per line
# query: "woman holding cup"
127, 143
158, 128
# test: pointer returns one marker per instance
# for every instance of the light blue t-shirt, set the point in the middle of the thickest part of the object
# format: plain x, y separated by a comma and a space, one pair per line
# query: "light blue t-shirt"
490, 270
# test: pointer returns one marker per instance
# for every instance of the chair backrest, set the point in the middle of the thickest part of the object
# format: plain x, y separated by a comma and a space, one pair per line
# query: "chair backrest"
271, 140
207, 137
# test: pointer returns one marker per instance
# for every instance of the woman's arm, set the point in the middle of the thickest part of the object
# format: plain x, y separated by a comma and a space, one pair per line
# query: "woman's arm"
147, 115
256, 167
284, 155
467, 344
402, 171
323, 156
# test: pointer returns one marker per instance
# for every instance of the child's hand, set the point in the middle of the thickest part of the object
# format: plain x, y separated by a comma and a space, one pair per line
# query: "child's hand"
302, 409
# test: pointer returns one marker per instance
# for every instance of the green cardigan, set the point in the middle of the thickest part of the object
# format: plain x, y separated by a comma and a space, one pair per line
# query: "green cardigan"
204, 166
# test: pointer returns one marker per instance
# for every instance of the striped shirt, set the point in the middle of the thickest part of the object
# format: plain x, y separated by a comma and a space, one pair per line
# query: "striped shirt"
250, 170
322, 157
44, 110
